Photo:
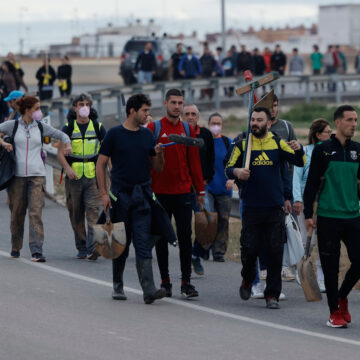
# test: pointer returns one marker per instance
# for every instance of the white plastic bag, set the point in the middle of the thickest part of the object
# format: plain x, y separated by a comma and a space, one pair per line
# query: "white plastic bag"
293, 248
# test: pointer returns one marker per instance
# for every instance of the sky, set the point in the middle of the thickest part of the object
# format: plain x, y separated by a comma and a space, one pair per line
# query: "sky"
44, 22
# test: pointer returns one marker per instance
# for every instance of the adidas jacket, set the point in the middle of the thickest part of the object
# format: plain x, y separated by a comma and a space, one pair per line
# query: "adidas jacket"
265, 187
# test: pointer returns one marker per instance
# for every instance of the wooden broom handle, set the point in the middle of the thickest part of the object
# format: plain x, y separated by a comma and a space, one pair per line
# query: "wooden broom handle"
248, 152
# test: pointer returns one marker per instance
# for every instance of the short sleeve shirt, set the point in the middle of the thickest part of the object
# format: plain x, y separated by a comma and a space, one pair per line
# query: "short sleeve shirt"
130, 153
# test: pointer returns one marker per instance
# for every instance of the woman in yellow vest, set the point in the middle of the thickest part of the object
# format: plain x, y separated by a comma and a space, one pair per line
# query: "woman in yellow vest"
86, 135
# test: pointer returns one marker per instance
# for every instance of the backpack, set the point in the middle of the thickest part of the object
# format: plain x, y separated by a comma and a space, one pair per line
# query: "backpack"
157, 129
16, 125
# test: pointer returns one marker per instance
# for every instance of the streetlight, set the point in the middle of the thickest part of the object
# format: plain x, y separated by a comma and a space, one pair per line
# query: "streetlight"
223, 34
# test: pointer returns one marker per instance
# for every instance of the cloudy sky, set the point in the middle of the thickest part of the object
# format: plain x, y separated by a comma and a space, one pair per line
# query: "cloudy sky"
43, 22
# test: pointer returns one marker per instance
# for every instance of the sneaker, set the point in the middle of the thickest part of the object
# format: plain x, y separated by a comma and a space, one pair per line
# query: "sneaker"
287, 274
297, 277
282, 296
336, 320
15, 254
322, 286
257, 291
344, 310
198, 269
188, 290
272, 303
263, 274
81, 255
93, 256
219, 258
37, 257
245, 291
167, 286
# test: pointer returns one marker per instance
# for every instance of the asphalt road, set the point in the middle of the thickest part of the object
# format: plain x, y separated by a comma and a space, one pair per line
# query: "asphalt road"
63, 310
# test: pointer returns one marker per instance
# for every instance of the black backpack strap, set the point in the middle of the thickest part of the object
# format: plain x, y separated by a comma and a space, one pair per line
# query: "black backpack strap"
16, 125
41, 128
97, 129
225, 139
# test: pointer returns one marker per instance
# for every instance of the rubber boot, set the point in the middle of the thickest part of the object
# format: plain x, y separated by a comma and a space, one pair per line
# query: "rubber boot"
118, 266
146, 279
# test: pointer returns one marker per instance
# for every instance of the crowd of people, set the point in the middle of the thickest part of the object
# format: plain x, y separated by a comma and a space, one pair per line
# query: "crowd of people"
12, 79
150, 184
186, 65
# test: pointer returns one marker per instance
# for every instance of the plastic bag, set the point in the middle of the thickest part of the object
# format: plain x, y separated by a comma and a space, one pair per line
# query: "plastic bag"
206, 227
293, 248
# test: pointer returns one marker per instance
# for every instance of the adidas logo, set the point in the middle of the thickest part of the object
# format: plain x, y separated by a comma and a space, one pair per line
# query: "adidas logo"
164, 135
262, 160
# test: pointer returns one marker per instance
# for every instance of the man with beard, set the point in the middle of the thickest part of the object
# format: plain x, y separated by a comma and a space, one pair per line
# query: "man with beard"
334, 172
173, 187
263, 199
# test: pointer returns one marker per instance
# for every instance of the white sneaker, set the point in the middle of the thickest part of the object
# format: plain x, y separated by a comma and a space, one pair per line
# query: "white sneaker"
321, 286
257, 291
287, 274
263, 274
282, 296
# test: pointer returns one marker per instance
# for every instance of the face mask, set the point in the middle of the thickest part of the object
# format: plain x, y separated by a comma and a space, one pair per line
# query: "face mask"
215, 129
37, 115
84, 112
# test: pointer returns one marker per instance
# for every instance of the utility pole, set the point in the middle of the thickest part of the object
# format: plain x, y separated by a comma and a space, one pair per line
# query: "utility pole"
223, 31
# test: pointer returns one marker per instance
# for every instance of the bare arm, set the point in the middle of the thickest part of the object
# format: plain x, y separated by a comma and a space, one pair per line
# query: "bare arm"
158, 161
101, 180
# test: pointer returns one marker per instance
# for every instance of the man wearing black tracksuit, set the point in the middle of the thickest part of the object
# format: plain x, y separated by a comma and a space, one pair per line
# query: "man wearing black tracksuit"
335, 173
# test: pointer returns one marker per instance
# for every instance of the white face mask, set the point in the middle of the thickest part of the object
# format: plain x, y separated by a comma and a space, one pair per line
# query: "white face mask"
215, 129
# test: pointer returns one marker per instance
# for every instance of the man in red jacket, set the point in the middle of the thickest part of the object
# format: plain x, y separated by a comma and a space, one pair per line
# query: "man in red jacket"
172, 187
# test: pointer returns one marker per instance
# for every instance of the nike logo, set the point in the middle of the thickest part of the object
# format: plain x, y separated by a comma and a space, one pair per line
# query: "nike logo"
334, 152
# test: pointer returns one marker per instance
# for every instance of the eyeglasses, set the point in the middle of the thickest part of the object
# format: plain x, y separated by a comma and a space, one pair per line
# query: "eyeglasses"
329, 132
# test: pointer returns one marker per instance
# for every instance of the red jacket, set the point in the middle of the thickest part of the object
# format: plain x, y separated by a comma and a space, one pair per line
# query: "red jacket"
182, 163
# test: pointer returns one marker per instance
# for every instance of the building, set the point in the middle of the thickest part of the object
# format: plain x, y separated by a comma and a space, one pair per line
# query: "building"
339, 24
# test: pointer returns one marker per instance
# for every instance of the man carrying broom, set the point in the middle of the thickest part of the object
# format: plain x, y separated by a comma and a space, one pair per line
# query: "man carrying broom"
263, 199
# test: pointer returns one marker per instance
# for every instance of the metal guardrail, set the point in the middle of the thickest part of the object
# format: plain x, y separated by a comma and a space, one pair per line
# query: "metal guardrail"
335, 81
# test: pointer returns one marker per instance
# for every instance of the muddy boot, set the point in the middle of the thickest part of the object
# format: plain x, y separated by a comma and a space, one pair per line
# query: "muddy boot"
145, 273
118, 266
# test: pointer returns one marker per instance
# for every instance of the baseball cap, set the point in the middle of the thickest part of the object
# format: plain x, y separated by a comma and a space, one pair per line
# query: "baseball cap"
16, 94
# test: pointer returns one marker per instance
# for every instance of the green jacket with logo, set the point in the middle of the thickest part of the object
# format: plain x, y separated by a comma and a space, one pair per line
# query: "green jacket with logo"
338, 167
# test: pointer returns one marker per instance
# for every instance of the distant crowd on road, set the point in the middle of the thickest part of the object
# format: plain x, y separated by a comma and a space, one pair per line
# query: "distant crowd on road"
12, 78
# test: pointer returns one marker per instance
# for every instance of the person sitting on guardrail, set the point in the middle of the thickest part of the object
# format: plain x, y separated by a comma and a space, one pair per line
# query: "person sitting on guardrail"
27, 189
82, 201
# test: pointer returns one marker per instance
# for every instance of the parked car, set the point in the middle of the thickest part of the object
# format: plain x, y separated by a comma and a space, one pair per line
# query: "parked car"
163, 48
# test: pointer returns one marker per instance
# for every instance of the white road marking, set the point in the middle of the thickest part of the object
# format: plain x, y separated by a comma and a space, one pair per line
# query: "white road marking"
190, 305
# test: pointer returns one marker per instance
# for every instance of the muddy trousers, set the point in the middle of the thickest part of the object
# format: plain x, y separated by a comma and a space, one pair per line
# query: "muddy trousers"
82, 200
27, 193
330, 232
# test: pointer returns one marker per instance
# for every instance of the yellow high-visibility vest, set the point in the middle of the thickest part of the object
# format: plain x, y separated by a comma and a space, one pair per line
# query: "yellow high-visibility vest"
84, 151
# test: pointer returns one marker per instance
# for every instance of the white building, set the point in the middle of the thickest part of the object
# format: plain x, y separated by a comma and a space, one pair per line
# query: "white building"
340, 24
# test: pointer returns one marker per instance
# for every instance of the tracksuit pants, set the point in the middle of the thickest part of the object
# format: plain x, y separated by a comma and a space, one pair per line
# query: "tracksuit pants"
330, 232
179, 206
263, 230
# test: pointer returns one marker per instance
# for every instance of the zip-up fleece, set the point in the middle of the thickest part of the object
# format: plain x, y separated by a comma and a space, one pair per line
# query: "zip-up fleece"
265, 187
339, 167
27, 143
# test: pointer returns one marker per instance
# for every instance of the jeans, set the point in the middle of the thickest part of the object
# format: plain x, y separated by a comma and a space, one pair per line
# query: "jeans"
179, 206
145, 76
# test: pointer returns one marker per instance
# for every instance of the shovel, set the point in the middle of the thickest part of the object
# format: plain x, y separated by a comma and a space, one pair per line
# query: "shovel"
110, 238
307, 275
305, 267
